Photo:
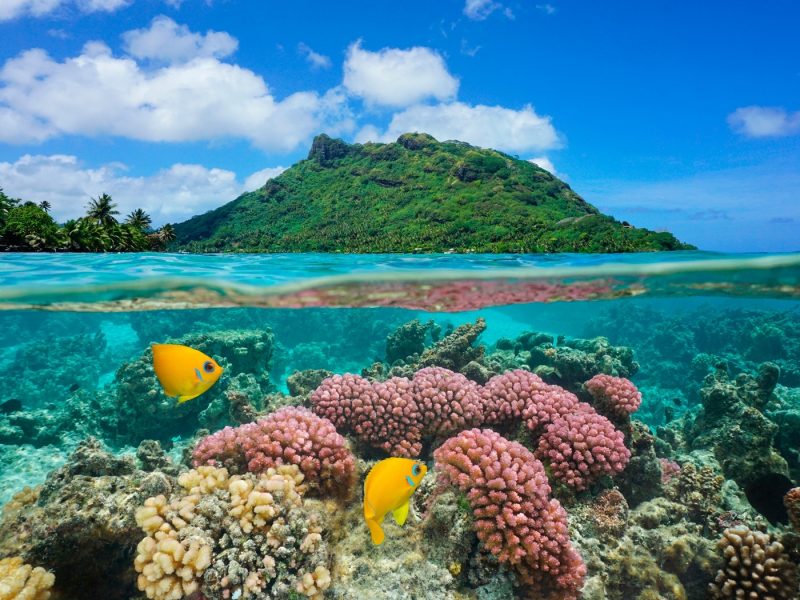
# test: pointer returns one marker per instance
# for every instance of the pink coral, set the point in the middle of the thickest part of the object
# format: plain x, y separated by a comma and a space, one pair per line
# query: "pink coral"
288, 436
669, 469
615, 395
582, 446
515, 518
345, 400
447, 402
792, 503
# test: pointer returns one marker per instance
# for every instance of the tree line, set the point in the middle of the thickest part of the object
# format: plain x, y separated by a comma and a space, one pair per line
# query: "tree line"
28, 227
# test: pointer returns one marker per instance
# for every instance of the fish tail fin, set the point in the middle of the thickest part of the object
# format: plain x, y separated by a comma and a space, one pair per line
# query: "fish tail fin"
375, 531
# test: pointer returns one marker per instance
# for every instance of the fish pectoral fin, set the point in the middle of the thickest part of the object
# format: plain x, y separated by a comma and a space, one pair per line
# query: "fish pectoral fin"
401, 514
375, 531
186, 398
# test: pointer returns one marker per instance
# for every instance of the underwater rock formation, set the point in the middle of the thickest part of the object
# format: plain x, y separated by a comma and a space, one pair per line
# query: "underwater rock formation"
407, 342
732, 425
515, 518
146, 412
289, 436
80, 524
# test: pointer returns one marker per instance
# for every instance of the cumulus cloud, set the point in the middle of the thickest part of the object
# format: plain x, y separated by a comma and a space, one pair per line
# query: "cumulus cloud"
315, 59
397, 78
545, 163
172, 194
764, 121
259, 178
547, 8
167, 41
487, 126
97, 93
11, 9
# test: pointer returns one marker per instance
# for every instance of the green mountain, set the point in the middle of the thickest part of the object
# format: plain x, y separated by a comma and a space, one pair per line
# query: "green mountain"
415, 195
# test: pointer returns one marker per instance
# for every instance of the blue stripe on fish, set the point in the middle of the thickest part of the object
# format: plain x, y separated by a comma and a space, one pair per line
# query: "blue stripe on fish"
199, 374
410, 481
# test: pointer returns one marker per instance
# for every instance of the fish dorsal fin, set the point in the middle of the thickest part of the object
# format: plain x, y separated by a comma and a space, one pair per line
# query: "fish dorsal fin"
400, 513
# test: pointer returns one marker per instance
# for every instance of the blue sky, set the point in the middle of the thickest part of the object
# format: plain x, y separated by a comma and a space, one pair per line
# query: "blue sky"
682, 116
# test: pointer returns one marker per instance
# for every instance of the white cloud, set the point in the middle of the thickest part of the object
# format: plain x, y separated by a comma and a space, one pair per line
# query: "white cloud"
487, 126
11, 9
167, 41
548, 9
315, 59
545, 163
395, 77
172, 194
97, 93
259, 178
478, 10
764, 121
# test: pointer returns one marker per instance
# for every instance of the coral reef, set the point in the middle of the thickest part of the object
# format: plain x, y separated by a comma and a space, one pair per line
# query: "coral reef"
145, 412
515, 518
289, 436
755, 567
19, 581
80, 524
792, 502
230, 536
582, 446
614, 396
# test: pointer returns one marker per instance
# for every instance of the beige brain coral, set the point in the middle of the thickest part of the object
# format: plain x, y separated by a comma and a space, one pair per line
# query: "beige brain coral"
19, 581
756, 568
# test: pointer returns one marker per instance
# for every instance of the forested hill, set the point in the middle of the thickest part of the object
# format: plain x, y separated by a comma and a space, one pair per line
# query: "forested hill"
414, 195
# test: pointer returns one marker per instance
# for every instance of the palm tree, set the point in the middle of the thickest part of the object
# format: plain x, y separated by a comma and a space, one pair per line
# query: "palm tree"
45, 206
102, 210
139, 219
166, 233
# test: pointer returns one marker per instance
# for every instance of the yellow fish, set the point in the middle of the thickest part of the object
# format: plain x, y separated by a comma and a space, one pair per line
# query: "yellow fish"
184, 372
388, 488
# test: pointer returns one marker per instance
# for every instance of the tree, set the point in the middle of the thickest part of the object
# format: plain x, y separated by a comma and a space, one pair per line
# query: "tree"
29, 220
167, 234
45, 206
139, 219
102, 210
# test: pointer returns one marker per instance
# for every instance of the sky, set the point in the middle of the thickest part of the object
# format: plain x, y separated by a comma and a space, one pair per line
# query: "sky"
673, 115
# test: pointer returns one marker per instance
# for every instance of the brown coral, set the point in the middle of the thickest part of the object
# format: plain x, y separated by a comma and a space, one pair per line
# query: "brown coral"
756, 567
698, 489
792, 503
19, 581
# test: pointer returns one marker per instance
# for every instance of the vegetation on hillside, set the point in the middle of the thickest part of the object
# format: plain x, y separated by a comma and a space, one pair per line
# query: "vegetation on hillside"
415, 195
28, 227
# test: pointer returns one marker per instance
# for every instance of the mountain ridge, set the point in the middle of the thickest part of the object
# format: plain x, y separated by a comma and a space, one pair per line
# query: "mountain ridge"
413, 195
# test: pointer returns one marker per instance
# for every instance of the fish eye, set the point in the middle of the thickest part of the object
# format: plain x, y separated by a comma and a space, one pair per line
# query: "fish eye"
415, 469
208, 366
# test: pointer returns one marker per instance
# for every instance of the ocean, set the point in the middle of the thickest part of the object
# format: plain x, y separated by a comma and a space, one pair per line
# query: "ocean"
593, 426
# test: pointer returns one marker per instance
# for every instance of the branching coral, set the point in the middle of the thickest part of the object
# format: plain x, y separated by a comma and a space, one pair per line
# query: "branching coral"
289, 436
399, 415
230, 536
19, 581
583, 446
756, 567
792, 503
515, 518
615, 396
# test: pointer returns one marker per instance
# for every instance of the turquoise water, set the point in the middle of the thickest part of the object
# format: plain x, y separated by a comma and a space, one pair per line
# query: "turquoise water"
711, 341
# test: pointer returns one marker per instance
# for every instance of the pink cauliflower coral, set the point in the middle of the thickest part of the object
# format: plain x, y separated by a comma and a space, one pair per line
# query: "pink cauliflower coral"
615, 395
582, 446
447, 402
515, 518
345, 400
792, 503
290, 435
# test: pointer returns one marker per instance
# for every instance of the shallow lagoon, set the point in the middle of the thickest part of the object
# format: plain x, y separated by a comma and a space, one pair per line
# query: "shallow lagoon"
711, 342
